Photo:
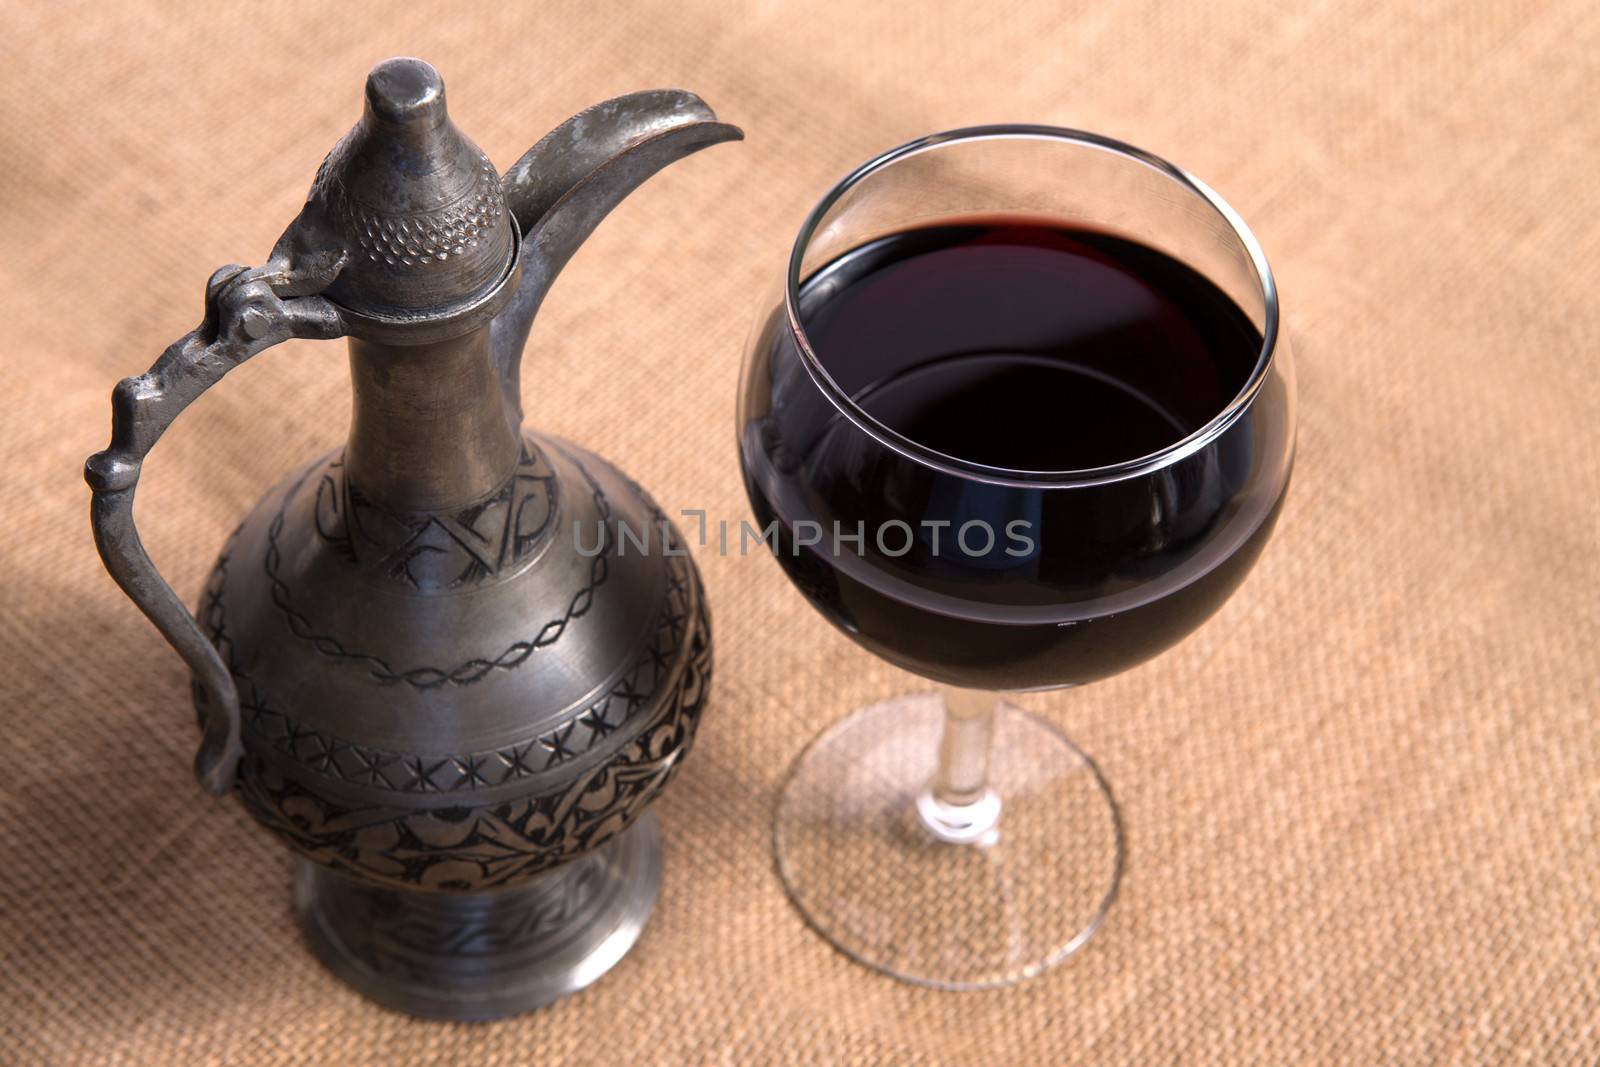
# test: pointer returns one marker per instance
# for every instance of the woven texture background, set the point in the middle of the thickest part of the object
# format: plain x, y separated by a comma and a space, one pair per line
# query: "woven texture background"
1363, 801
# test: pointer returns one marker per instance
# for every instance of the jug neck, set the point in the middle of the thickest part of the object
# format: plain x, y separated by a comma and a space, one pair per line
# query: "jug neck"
429, 432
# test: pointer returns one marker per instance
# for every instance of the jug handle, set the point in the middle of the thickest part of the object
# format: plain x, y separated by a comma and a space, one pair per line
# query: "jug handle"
244, 314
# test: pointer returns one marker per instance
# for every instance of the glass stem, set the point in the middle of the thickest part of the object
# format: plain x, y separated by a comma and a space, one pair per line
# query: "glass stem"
959, 806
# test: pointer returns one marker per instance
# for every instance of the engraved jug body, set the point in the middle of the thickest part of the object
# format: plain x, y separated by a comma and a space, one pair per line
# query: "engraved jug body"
422, 659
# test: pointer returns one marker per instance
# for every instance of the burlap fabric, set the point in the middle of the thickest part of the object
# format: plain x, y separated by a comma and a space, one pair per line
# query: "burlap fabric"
1364, 800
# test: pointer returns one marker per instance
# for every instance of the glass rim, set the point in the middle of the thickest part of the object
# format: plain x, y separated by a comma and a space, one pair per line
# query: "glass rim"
917, 452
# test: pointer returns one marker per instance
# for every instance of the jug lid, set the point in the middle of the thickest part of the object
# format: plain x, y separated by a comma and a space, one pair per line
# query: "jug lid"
414, 208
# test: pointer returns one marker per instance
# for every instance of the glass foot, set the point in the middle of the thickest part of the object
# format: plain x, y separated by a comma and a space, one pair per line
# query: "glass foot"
954, 899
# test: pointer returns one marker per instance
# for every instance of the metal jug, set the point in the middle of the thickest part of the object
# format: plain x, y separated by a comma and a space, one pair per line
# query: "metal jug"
427, 660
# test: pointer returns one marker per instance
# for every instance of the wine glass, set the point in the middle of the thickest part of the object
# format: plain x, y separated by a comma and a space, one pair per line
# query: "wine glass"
1068, 349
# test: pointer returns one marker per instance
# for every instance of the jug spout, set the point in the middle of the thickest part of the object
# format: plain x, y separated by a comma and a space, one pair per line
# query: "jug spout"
564, 185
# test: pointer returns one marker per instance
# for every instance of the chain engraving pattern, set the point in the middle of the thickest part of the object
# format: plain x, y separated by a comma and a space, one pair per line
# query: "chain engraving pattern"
359, 764
464, 673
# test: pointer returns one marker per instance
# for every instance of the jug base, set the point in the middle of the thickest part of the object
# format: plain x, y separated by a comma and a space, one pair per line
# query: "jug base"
489, 954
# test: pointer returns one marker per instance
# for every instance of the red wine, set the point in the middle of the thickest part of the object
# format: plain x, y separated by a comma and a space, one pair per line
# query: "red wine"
1029, 347
1026, 348
1021, 411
